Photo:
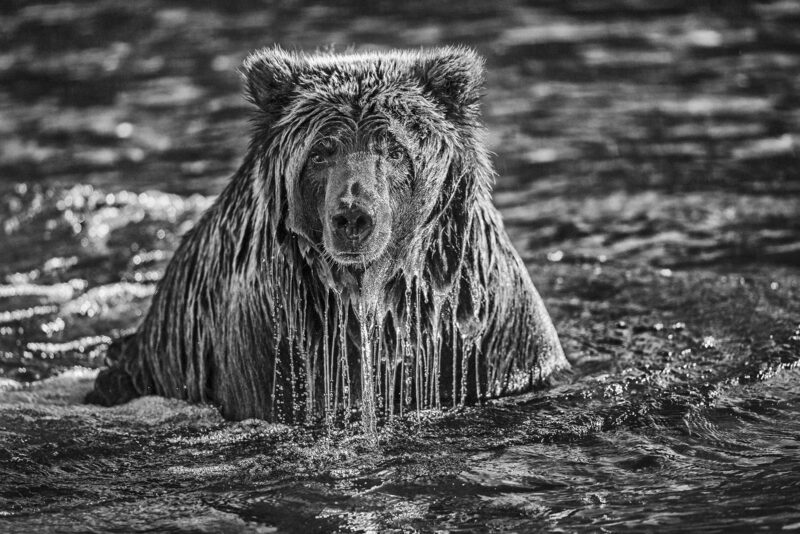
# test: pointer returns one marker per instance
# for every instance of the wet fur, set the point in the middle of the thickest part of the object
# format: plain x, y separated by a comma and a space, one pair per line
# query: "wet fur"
253, 315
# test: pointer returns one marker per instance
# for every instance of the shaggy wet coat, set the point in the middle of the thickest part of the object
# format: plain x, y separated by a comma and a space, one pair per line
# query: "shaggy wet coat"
252, 313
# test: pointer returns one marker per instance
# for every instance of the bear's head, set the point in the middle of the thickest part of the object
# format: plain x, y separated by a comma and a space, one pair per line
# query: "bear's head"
365, 150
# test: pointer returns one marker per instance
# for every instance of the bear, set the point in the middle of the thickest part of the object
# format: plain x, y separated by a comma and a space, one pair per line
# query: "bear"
355, 263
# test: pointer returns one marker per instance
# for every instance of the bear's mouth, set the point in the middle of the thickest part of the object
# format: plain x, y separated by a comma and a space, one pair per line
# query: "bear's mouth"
354, 257
355, 252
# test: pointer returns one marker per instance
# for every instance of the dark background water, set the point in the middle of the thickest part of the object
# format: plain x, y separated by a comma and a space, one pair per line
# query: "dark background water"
648, 173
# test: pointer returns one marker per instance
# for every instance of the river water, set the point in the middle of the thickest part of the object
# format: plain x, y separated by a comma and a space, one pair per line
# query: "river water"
648, 173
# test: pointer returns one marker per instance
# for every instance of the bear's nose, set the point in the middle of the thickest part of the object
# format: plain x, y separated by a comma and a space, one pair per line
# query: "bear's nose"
353, 224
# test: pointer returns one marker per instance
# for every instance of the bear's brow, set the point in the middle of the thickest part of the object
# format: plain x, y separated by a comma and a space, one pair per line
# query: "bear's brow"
369, 133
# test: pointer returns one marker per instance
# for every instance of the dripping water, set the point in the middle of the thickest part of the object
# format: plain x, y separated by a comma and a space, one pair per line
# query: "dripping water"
365, 319
344, 368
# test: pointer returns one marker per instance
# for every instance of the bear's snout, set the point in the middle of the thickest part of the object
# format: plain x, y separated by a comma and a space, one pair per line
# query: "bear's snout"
352, 226
356, 217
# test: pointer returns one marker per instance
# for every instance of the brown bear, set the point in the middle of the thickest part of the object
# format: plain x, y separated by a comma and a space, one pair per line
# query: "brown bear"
355, 262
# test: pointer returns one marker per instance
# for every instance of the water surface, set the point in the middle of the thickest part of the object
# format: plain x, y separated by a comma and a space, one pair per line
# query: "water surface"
648, 173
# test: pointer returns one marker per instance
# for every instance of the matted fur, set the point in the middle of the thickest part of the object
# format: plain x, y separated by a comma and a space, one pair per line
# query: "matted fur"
252, 315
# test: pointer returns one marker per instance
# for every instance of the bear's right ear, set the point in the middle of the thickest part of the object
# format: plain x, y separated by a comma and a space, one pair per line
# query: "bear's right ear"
269, 76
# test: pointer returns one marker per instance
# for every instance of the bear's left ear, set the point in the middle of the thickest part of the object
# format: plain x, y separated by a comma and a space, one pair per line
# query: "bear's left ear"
269, 77
453, 77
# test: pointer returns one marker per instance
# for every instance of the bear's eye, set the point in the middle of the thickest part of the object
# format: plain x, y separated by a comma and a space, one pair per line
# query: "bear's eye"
396, 153
317, 158
322, 152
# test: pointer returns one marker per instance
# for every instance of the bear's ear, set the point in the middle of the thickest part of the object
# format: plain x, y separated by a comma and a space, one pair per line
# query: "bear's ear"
452, 77
269, 77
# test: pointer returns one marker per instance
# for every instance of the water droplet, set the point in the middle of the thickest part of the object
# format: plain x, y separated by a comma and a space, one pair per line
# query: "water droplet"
124, 130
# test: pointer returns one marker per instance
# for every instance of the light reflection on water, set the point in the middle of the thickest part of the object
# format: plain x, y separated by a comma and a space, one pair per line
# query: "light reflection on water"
648, 175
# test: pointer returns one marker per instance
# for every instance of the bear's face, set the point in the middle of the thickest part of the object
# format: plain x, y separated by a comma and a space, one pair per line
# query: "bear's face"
353, 186
362, 151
